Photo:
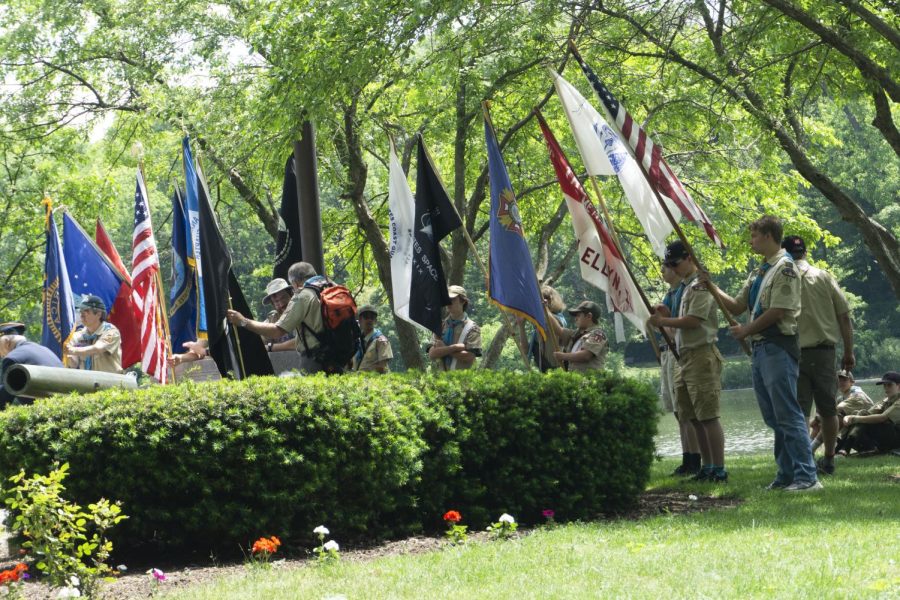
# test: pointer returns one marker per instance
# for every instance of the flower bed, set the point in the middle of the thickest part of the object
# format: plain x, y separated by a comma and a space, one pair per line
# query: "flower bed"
201, 467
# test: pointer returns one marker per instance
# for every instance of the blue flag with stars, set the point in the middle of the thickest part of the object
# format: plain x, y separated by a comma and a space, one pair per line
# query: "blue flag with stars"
513, 285
59, 306
90, 272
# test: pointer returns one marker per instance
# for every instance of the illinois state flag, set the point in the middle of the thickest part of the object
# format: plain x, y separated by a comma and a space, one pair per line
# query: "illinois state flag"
513, 285
601, 264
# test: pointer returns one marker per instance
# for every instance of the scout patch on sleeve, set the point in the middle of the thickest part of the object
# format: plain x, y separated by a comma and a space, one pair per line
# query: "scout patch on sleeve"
788, 271
699, 286
596, 336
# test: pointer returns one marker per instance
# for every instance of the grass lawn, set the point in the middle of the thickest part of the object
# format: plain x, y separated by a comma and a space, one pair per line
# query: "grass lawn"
843, 542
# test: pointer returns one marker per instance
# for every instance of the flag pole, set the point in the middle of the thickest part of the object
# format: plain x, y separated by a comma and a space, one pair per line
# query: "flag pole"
509, 324
681, 236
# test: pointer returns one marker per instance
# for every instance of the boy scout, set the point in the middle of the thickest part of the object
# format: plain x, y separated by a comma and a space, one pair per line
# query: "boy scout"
460, 341
877, 428
698, 383
374, 351
851, 400
771, 296
824, 320
586, 347
98, 345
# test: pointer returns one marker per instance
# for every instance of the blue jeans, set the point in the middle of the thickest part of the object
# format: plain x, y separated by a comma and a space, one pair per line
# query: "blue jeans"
775, 384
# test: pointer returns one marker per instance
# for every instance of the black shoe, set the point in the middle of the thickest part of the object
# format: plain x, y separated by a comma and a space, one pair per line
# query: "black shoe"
716, 478
703, 476
682, 470
825, 466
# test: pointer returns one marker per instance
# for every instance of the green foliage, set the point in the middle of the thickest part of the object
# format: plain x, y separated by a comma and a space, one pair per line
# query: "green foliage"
202, 466
56, 531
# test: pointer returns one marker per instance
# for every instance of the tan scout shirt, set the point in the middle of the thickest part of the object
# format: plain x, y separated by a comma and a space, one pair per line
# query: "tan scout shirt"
697, 301
781, 291
855, 401
822, 301
593, 339
472, 342
304, 308
890, 406
377, 350
107, 338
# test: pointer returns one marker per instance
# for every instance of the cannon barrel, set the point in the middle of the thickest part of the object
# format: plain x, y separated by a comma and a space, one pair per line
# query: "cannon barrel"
32, 381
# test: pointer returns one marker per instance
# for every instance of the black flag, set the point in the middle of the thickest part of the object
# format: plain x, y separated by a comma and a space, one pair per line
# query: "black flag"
435, 219
249, 357
287, 248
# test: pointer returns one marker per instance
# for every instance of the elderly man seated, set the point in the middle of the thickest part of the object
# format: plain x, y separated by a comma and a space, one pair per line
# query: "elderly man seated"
16, 350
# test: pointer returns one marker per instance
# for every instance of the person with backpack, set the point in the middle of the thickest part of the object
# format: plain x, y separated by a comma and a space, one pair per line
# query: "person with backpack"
323, 315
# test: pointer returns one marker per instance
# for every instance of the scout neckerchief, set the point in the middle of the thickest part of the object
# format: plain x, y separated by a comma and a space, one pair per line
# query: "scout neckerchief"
89, 340
364, 346
766, 272
450, 362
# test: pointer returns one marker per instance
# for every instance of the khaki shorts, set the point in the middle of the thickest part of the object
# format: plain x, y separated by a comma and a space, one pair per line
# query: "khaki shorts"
818, 381
667, 380
698, 383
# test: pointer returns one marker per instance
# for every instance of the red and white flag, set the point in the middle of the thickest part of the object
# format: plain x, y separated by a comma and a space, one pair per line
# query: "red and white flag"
144, 281
658, 173
601, 263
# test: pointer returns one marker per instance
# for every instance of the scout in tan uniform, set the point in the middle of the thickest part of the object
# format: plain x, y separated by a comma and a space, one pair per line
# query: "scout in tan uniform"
690, 448
825, 318
98, 345
586, 346
876, 428
279, 293
303, 315
851, 400
698, 383
374, 352
771, 296
460, 342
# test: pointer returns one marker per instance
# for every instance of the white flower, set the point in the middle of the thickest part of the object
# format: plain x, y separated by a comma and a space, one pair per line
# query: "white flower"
692, 497
74, 581
68, 592
321, 530
505, 518
331, 546
121, 568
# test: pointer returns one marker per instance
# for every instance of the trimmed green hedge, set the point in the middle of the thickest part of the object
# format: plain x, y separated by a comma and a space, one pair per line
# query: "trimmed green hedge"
211, 466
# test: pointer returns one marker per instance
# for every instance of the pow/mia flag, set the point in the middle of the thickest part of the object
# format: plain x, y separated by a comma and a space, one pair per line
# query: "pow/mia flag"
435, 217
287, 247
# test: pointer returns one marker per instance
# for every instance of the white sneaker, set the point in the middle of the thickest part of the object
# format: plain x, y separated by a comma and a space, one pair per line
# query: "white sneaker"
804, 486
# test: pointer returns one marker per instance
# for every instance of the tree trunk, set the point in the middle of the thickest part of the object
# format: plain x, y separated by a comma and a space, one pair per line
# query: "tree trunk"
350, 149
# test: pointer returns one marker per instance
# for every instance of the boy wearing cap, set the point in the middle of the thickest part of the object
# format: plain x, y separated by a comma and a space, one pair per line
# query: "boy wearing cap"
698, 376
98, 345
879, 427
278, 293
460, 341
851, 400
16, 350
691, 461
771, 296
825, 318
586, 347
374, 352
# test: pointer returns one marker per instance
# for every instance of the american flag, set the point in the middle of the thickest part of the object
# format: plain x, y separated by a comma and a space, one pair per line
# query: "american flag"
660, 176
145, 278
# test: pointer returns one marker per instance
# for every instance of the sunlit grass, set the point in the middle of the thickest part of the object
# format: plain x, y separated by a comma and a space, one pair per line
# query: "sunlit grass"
839, 543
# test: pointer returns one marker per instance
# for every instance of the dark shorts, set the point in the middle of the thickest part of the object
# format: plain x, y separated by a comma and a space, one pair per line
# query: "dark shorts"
874, 436
818, 381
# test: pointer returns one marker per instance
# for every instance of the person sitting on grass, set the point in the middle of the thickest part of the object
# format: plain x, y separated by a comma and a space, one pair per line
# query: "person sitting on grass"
876, 428
851, 399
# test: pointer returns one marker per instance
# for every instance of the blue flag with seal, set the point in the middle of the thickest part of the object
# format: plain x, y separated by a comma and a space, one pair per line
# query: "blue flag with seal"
183, 292
192, 208
59, 306
512, 283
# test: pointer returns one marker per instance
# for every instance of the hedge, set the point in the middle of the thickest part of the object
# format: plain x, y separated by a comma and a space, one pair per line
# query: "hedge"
209, 467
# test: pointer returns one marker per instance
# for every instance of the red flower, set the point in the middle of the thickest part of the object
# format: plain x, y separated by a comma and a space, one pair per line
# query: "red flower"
269, 546
452, 516
13, 574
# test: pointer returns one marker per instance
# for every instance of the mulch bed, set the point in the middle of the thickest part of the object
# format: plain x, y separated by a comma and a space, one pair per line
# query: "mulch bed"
136, 584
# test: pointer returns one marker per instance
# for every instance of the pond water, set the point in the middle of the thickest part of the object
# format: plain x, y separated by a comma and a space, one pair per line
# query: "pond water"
745, 431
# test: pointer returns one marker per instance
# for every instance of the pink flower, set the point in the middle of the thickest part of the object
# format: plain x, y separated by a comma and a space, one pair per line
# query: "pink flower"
548, 513
157, 574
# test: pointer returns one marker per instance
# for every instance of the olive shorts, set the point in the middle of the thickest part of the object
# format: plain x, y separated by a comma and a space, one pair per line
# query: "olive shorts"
698, 383
818, 381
